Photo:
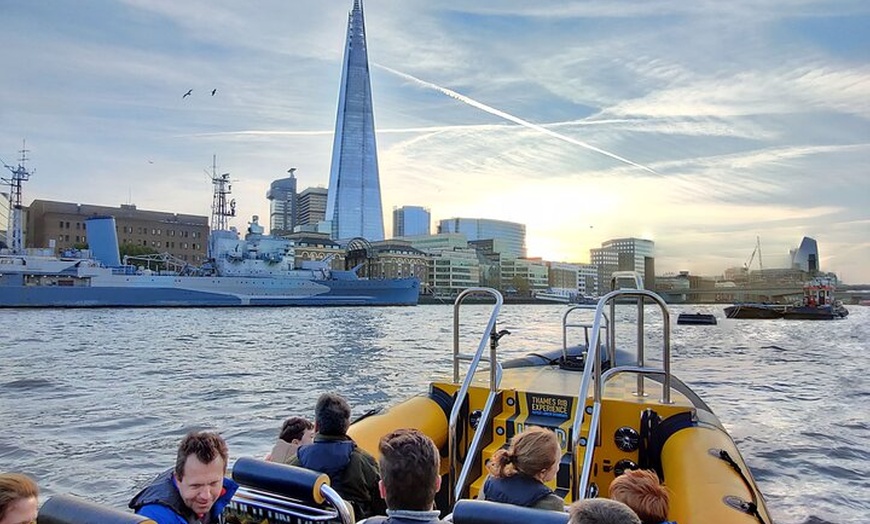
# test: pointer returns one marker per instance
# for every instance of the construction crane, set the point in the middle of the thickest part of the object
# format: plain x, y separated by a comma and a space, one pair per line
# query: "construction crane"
755, 251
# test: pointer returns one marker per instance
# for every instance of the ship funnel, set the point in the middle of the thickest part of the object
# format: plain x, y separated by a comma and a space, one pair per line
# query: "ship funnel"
103, 240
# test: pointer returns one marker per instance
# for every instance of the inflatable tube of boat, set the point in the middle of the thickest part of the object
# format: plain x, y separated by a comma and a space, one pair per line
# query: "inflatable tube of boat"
280, 479
705, 487
485, 512
66, 509
422, 413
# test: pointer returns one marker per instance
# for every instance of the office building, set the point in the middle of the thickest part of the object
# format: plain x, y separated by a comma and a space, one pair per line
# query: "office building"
311, 206
354, 200
410, 221
282, 205
512, 236
624, 254
806, 256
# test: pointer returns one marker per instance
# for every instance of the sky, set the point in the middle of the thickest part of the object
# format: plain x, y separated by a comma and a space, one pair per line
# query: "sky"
704, 126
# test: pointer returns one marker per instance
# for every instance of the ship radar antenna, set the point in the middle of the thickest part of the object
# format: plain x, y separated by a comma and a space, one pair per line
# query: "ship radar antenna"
20, 174
221, 209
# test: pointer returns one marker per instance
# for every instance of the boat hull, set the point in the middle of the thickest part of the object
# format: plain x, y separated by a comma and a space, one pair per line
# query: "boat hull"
762, 311
167, 291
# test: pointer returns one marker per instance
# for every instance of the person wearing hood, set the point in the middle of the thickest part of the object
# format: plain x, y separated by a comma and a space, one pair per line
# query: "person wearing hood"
352, 471
197, 490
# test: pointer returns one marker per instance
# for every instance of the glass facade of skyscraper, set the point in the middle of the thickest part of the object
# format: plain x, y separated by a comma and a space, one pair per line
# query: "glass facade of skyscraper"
354, 201
409, 221
282, 205
511, 234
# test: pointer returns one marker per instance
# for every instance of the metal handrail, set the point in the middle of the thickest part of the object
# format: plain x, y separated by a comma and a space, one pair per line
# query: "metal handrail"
584, 325
495, 369
592, 372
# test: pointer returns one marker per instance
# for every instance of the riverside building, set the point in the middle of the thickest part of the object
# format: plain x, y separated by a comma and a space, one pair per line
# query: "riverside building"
62, 225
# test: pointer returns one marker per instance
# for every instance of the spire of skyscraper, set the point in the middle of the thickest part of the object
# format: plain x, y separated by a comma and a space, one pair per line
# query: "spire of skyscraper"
354, 201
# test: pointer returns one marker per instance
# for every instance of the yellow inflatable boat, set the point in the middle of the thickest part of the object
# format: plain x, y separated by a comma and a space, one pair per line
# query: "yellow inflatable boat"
613, 411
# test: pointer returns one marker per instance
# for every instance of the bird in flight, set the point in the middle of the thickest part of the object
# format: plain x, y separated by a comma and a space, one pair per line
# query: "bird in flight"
185, 95
213, 91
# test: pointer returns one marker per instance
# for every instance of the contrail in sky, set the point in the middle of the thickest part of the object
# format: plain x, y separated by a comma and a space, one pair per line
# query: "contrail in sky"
515, 119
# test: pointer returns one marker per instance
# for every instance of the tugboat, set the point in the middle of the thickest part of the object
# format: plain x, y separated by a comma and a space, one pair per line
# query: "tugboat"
818, 303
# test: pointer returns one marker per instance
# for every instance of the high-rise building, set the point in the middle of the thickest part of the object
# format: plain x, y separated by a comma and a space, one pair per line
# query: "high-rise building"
282, 205
354, 201
511, 234
806, 257
311, 206
624, 254
410, 221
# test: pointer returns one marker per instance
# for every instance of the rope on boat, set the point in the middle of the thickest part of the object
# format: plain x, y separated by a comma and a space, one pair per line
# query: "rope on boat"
750, 507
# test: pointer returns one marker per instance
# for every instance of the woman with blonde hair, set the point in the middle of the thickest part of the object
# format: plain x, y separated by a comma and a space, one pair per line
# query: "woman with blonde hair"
518, 474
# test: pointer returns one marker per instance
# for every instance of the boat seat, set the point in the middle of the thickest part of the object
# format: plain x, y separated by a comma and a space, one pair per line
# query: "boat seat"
281, 491
288, 481
486, 512
66, 509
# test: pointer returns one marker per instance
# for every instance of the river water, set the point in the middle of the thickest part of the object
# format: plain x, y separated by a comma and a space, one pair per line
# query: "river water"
93, 402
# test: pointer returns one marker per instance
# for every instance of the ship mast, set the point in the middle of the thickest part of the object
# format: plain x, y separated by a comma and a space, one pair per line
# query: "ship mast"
221, 210
20, 174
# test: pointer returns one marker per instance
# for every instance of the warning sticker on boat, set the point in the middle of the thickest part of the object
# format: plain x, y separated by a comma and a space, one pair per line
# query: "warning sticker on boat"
549, 405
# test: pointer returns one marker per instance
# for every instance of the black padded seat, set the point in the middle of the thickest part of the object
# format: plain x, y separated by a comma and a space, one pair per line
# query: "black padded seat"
66, 509
486, 512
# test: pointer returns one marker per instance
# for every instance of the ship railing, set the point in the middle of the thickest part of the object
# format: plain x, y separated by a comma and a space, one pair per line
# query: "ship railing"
458, 473
593, 374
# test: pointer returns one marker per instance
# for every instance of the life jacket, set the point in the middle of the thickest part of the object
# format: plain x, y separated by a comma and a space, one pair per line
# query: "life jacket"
519, 490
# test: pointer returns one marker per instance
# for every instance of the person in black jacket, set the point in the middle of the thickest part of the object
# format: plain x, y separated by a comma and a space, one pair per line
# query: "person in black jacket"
518, 474
352, 472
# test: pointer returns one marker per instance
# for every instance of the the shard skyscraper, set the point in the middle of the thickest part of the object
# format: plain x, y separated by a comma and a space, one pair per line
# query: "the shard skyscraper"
354, 200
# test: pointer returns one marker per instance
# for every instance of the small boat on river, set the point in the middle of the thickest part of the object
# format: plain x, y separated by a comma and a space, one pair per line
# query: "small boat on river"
696, 319
613, 410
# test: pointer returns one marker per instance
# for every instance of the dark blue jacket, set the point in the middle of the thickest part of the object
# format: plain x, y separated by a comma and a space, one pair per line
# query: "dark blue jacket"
353, 473
521, 490
162, 502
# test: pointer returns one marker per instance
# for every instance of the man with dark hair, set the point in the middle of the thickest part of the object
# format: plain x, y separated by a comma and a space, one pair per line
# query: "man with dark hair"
196, 490
352, 472
295, 432
409, 465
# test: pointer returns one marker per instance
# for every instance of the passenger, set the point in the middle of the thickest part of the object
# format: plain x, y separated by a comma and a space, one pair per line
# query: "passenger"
409, 465
353, 473
601, 511
641, 491
295, 432
197, 490
518, 473
18, 499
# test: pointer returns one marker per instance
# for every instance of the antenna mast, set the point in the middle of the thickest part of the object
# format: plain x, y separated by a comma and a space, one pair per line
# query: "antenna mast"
221, 210
19, 175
